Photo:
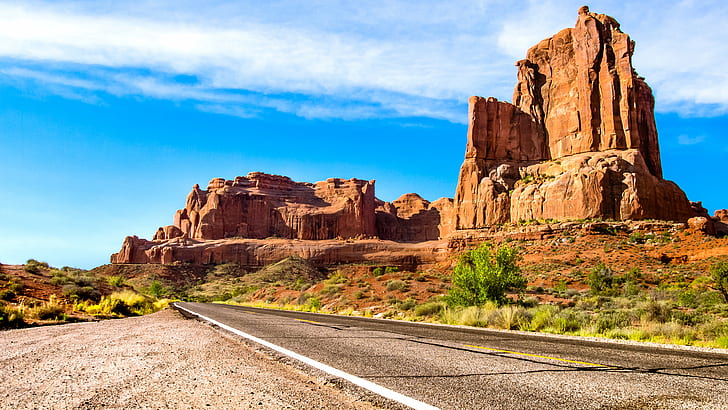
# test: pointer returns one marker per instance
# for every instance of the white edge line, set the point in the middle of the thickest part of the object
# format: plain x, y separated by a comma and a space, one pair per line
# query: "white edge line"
373, 387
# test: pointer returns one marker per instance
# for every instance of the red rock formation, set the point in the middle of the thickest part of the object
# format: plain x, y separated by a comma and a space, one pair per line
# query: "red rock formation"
721, 215
579, 140
232, 221
261, 206
261, 252
411, 218
580, 87
721, 222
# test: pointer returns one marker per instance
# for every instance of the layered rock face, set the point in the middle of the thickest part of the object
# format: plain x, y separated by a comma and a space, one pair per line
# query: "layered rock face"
260, 206
260, 252
411, 218
233, 220
579, 140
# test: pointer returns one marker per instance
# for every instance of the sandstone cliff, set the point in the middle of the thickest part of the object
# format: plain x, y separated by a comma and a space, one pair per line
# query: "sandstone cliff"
579, 140
257, 218
259, 206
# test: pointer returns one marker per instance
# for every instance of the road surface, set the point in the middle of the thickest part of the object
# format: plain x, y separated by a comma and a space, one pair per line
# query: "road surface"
459, 368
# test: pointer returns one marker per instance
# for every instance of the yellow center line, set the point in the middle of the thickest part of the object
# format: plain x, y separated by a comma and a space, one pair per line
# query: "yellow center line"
539, 356
307, 321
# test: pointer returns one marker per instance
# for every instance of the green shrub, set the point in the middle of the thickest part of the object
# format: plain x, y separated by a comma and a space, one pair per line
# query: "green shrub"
609, 320
429, 308
655, 311
6, 294
116, 281
719, 274
543, 317
330, 289
125, 303
395, 284
569, 320
378, 271
10, 317
33, 266
482, 275
336, 279
49, 311
16, 286
391, 269
601, 281
73, 291
509, 317
156, 289
407, 304
314, 303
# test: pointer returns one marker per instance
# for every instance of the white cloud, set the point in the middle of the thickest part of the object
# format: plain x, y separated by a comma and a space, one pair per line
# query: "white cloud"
688, 140
228, 110
389, 58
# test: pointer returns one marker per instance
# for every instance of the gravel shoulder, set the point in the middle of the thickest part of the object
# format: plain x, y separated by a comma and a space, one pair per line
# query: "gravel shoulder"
157, 361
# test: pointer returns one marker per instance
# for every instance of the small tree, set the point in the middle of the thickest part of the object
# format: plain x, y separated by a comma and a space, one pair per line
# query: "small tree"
719, 273
482, 275
602, 281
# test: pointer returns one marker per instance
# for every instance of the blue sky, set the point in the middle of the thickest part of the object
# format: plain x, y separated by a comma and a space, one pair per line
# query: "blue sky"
111, 111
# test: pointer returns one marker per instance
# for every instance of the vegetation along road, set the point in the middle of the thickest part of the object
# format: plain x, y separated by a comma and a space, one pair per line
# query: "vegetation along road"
455, 367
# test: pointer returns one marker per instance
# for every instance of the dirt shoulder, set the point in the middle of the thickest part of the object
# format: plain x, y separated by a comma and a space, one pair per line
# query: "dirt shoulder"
156, 361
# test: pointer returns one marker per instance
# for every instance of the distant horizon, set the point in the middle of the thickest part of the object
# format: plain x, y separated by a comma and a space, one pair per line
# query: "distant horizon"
110, 113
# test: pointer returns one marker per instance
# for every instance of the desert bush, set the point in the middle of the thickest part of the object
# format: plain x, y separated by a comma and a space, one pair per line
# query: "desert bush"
16, 286
395, 284
542, 317
719, 274
509, 317
50, 310
6, 294
227, 270
391, 269
470, 315
116, 281
407, 304
126, 303
156, 289
482, 275
602, 281
73, 291
429, 308
33, 266
609, 320
655, 311
378, 271
337, 278
314, 304
569, 320
10, 317
331, 289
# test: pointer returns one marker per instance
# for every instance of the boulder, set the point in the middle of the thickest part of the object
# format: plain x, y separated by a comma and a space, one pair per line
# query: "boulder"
702, 224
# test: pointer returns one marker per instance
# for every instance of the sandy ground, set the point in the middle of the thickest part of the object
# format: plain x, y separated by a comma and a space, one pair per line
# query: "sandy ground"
153, 362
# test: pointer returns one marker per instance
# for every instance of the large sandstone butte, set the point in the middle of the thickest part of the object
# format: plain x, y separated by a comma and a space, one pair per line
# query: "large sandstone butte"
579, 140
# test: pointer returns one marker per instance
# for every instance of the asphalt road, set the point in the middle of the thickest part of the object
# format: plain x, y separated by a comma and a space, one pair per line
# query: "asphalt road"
456, 368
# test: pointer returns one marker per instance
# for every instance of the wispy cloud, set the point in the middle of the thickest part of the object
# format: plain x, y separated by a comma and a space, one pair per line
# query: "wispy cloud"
385, 58
688, 140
